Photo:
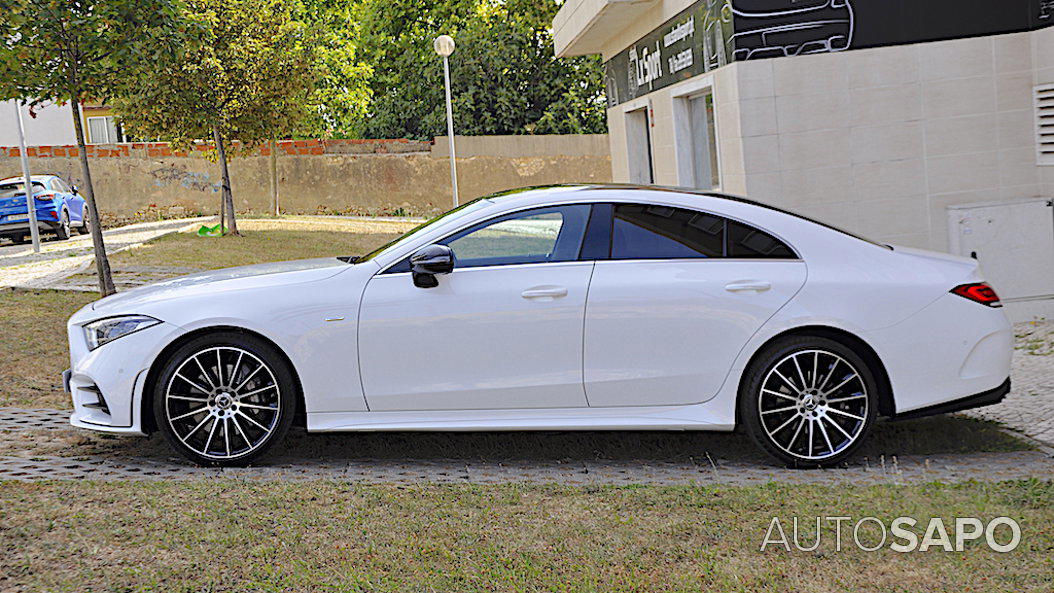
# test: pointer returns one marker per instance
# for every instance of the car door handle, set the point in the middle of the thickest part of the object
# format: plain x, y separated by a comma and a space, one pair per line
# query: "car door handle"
748, 285
544, 292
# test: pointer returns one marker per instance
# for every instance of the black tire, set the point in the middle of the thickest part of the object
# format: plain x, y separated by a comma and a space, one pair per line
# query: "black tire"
234, 392
782, 396
63, 231
20, 239
85, 228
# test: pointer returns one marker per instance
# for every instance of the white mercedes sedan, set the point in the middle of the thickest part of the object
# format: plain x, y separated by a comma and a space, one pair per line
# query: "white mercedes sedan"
586, 307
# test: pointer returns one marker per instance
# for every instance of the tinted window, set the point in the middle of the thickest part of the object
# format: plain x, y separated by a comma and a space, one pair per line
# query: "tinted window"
748, 242
660, 232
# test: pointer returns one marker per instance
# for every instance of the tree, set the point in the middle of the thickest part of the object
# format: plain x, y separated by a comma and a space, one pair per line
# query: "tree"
340, 101
504, 75
250, 75
74, 50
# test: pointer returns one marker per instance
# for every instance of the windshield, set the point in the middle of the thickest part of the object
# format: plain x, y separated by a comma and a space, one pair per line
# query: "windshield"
10, 190
461, 210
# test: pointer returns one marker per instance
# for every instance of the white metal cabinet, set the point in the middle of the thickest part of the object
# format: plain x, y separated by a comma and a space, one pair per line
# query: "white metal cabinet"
1014, 245
664, 332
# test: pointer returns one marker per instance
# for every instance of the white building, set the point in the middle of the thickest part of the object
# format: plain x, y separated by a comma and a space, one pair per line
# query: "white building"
51, 124
873, 115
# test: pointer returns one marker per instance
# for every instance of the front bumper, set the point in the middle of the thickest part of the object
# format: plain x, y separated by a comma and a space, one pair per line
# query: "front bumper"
106, 385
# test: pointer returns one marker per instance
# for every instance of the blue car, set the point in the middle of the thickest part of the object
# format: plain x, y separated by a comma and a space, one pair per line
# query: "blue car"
60, 208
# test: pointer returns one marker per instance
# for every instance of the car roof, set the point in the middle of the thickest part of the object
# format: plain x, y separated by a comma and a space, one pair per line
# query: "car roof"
35, 178
575, 187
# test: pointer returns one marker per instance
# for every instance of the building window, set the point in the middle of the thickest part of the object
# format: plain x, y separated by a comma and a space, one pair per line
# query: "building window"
704, 141
1045, 124
638, 144
104, 130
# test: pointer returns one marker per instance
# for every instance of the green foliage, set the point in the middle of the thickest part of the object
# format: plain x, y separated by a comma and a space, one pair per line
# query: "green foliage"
341, 97
249, 75
61, 50
504, 76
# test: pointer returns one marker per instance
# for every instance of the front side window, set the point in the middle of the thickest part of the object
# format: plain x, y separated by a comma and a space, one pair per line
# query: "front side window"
646, 231
542, 235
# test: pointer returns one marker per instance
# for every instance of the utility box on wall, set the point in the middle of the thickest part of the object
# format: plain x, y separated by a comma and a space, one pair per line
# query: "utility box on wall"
1014, 243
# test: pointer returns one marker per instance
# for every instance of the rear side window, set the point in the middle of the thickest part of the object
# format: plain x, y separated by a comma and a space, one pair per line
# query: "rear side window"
59, 185
748, 242
659, 232
643, 231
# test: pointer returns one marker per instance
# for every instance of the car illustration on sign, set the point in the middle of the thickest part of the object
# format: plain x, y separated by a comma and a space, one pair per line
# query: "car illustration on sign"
581, 307
768, 29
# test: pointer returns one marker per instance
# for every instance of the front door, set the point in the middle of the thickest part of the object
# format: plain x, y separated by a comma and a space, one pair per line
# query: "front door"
502, 331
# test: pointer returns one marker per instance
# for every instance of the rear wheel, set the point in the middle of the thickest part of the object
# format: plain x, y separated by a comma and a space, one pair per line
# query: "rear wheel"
808, 401
225, 399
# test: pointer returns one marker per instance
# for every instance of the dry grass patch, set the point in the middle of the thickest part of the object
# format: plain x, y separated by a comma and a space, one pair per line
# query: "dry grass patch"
263, 240
309, 536
34, 350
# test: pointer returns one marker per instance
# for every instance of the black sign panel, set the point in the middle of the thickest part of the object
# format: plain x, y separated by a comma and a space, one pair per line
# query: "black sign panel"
711, 33
691, 43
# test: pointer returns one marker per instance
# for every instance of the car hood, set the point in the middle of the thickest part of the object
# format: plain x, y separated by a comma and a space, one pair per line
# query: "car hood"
215, 282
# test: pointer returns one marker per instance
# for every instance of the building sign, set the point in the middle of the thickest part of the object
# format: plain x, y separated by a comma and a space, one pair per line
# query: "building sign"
710, 33
691, 43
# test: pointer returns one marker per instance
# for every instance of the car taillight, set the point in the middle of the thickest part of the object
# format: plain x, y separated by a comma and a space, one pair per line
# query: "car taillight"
978, 292
44, 197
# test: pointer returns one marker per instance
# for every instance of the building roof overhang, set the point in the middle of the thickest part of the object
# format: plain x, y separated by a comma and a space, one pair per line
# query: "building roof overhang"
583, 27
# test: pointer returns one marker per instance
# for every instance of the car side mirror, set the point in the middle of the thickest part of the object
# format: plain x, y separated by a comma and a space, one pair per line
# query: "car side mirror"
74, 189
429, 261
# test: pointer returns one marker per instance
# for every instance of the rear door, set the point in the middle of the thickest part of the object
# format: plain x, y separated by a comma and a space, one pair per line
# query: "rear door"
681, 294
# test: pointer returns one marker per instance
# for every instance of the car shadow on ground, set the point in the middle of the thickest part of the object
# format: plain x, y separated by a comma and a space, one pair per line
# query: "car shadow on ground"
914, 438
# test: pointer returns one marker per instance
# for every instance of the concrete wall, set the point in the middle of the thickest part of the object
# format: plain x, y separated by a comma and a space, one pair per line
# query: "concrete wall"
881, 141
332, 176
877, 141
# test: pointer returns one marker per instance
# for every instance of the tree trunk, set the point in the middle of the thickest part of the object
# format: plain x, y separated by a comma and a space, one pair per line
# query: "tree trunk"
228, 199
102, 262
273, 170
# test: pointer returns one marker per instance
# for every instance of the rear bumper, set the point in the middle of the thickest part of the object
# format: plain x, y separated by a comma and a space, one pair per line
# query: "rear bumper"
14, 228
977, 400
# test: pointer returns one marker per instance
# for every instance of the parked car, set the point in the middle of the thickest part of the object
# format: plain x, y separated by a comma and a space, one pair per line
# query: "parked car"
585, 307
59, 208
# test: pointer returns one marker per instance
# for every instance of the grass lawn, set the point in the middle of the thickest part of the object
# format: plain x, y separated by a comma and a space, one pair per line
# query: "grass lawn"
264, 240
268, 536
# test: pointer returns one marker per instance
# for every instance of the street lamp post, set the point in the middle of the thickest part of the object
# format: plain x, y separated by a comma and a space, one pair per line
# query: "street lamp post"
31, 207
444, 46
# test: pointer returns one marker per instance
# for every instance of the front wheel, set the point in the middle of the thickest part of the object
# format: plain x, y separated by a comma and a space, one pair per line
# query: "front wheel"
808, 401
64, 231
225, 399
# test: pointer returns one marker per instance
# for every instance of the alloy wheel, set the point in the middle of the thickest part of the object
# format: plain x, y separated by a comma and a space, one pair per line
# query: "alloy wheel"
813, 404
223, 402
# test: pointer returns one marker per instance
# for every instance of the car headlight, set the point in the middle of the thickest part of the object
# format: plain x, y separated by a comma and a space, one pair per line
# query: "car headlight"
109, 329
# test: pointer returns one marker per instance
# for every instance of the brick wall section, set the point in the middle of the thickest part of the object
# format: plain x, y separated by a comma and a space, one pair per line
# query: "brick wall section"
371, 177
286, 147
